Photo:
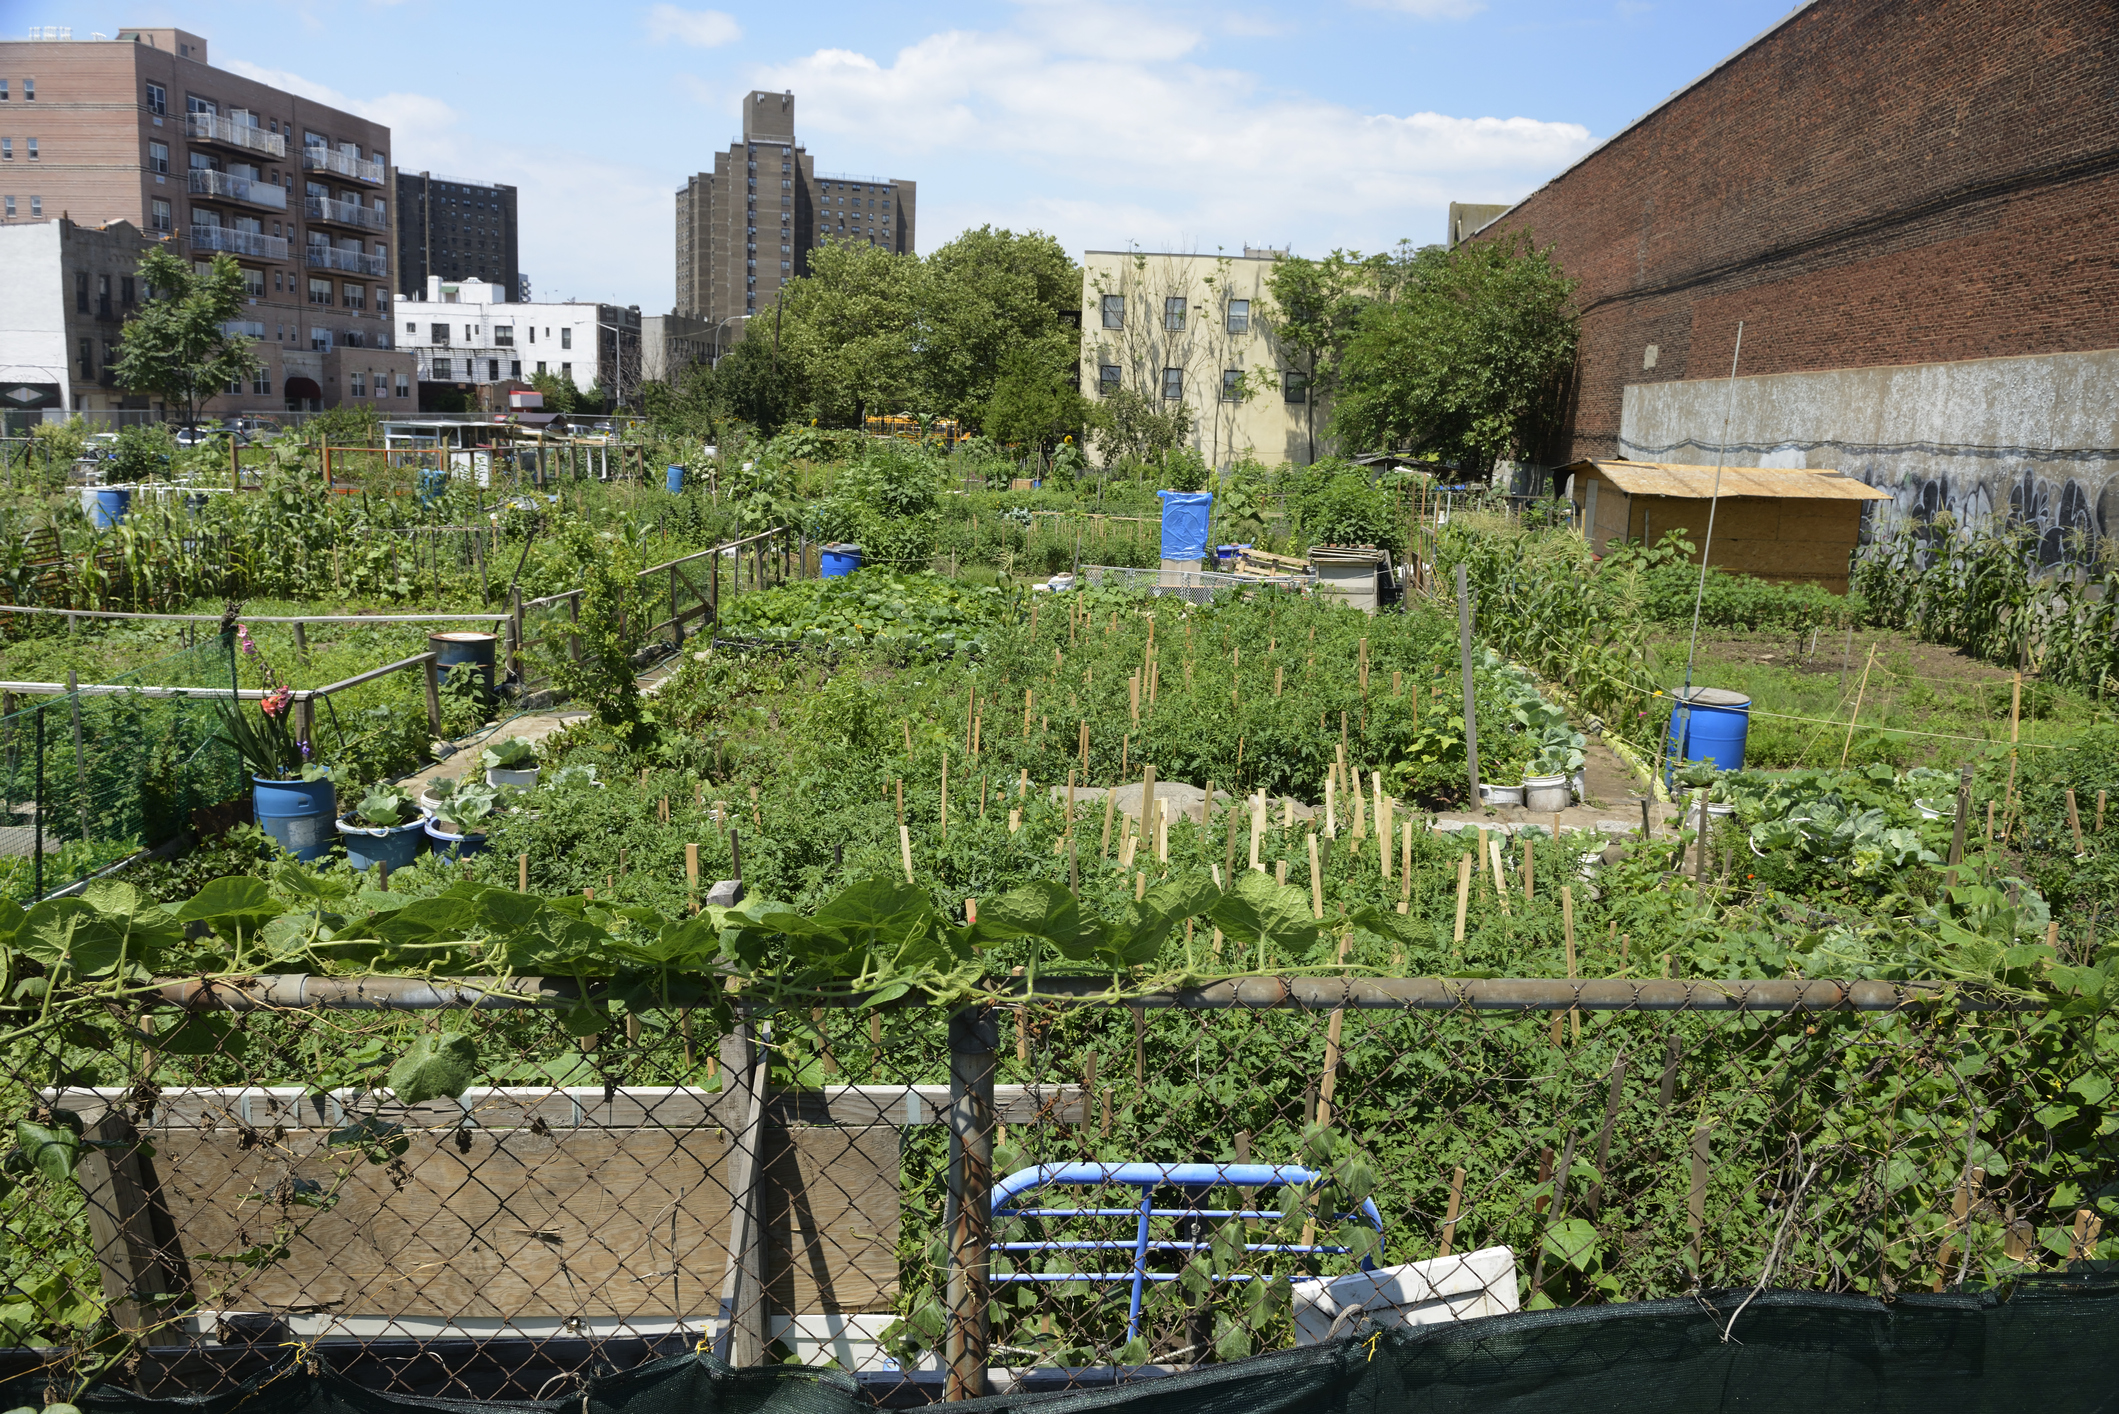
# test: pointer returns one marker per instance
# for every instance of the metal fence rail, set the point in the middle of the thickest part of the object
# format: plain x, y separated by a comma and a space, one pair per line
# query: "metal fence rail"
946, 1203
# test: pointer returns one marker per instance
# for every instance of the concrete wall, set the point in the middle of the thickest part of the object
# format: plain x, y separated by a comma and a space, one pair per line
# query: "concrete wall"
2034, 438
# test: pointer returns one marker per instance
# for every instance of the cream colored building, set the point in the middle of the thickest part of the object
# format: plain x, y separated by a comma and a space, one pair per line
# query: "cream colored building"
1199, 329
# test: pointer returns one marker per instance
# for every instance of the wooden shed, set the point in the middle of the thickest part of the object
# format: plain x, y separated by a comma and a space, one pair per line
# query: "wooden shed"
1792, 527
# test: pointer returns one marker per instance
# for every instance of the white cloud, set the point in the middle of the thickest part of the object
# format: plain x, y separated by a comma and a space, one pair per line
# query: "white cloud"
1145, 142
703, 29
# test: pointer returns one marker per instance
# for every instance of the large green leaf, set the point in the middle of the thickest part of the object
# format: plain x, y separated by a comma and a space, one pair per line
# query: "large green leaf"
1257, 910
52, 1149
71, 932
1140, 935
233, 904
1043, 910
436, 1066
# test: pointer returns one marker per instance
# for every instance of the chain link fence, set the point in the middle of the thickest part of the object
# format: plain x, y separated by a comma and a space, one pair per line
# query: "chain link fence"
89, 777
1043, 1195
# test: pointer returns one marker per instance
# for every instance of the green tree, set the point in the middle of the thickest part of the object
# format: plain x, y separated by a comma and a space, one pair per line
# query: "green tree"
560, 394
985, 298
847, 330
1464, 357
753, 384
1034, 402
176, 347
1317, 306
1139, 428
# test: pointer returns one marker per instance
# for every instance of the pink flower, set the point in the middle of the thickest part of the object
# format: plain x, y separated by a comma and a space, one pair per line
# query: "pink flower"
276, 701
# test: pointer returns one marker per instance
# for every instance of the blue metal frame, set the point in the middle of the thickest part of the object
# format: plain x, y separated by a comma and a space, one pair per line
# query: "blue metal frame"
1196, 1179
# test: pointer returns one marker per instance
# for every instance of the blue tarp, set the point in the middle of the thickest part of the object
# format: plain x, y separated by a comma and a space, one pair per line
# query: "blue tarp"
1185, 523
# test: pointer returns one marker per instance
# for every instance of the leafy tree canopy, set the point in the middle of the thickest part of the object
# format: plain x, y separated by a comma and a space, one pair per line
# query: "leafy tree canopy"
175, 346
1460, 354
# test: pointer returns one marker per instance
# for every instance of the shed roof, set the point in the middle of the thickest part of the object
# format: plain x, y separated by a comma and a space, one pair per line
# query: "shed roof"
1698, 482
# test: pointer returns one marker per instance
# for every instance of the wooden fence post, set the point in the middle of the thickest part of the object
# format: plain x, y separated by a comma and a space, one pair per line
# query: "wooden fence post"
432, 674
745, 1323
136, 1247
973, 1038
515, 631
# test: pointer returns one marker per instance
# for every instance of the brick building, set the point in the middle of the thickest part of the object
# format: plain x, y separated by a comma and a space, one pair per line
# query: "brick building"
452, 229
747, 227
143, 130
1913, 206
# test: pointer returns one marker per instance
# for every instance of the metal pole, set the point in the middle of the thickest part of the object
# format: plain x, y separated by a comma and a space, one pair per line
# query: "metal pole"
73, 694
973, 1038
37, 845
1464, 655
1721, 456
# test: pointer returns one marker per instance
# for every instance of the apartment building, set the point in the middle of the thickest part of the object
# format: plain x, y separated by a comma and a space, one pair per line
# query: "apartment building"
143, 130
747, 227
1198, 330
454, 229
469, 339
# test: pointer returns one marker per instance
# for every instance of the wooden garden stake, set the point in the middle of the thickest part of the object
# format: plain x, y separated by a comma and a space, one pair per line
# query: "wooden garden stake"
900, 783
1449, 1220
905, 850
1464, 893
1383, 831
1069, 823
1103, 851
1280, 873
1331, 819
1856, 714
759, 820
691, 874
906, 723
1529, 867
2074, 820
1567, 924
1276, 679
1027, 695
522, 873
945, 797
1258, 827
1228, 853
1133, 696
1287, 812
971, 703
1316, 879
1696, 1200
1405, 866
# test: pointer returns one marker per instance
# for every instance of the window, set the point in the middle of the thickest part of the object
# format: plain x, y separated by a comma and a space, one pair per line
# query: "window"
81, 292
438, 335
32, 142
1107, 378
261, 381
1173, 383
1239, 316
158, 214
540, 368
7, 149
410, 327
319, 291
88, 359
444, 369
566, 371
382, 299
356, 296
3, 90
1114, 311
9, 208
566, 341
1296, 387
127, 292
29, 90
492, 370
404, 389
158, 157
357, 382
1232, 385
36, 206
103, 296
253, 282
1174, 313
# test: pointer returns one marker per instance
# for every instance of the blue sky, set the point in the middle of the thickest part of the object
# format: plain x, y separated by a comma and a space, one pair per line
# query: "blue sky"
1334, 123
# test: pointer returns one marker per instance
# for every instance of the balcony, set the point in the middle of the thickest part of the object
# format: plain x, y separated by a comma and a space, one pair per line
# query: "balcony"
323, 257
227, 238
244, 329
212, 127
325, 159
344, 213
209, 183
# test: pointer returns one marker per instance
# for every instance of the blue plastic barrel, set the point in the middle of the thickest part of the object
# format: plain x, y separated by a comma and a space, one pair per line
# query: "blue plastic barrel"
1185, 515
471, 651
111, 504
1709, 724
393, 848
298, 814
676, 480
433, 483
835, 560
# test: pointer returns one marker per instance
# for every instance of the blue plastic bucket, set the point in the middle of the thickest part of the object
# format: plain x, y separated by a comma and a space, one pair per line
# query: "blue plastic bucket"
393, 848
298, 814
433, 482
109, 506
471, 651
837, 561
1708, 724
675, 480
454, 847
